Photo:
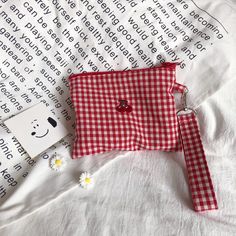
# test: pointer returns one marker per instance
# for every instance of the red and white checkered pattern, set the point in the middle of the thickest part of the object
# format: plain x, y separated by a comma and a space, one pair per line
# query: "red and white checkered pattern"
200, 183
135, 110
151, 122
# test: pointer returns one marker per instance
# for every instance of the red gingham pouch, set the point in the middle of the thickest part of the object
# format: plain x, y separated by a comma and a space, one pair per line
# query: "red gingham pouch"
132, 110
125, 110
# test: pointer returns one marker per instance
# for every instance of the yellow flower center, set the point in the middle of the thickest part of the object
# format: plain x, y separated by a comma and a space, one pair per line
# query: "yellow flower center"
87, 180
58, 162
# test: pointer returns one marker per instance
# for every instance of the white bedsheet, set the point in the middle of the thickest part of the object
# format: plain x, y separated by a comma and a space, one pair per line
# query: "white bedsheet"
136, 193
147, 193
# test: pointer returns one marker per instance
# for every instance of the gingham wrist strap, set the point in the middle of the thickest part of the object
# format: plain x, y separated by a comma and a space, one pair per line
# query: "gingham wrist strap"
200, 182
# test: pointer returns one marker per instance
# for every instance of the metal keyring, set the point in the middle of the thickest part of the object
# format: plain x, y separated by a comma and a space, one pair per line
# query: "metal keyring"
185, 107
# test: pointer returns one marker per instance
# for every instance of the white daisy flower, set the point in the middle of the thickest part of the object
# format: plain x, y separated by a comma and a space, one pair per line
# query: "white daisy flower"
57, 162
86, 180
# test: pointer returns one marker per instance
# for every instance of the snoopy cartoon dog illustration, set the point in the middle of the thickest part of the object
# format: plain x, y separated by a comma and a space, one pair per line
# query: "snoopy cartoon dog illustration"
40, 132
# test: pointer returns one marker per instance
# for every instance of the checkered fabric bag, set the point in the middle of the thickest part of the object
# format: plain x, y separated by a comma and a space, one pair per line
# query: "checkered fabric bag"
133, 110
125, 110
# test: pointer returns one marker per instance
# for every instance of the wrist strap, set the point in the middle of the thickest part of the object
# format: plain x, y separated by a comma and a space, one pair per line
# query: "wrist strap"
200, 182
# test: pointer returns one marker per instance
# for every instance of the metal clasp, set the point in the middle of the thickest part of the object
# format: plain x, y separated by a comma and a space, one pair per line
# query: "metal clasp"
185, 106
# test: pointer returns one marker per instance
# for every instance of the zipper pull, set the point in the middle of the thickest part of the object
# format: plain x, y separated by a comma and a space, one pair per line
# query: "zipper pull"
169, 64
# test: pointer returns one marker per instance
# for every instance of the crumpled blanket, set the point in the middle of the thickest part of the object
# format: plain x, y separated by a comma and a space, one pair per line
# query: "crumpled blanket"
135, 193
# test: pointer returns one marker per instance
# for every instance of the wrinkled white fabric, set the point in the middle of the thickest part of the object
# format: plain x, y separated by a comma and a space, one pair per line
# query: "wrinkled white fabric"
146, 193
136, 193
